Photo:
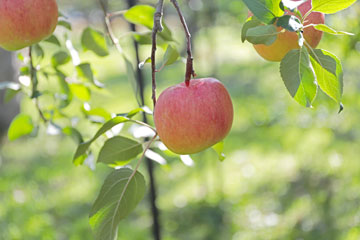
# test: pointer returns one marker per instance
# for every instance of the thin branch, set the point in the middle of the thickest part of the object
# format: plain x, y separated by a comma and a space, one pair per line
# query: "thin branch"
34, 81
111, 34
189, 62
157, 28
131, 177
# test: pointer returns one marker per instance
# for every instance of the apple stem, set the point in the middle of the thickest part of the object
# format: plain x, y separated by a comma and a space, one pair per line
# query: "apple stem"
189, 62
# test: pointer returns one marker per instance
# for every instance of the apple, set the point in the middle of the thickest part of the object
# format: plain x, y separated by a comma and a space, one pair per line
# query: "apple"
287, 40
191, 118
26, 22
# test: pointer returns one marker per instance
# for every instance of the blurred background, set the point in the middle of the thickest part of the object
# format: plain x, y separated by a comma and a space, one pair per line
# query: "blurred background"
290, 172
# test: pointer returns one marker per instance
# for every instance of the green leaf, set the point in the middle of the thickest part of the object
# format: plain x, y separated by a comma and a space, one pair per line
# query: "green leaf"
94, 40
80, 91
22, 125
141, 14
329, 73
65, 24
54, 40
65, 95
98, 114
10, 94
327, 29
290, 23
251, 22
219, 148
119, 150
60, 58
118, 197
143, 38
135, 111
37, 49
82, 148
171, 55
298, 76
265, 10
264, 34
85, 73
142, 64
74, 133
331, 6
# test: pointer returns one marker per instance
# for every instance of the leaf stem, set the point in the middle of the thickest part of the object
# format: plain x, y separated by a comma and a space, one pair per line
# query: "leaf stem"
189, 62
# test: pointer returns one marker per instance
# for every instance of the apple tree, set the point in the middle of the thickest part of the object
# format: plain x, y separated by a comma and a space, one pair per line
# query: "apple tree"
189, 117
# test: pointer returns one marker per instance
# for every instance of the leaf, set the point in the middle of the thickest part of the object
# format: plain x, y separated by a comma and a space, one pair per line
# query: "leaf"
298, 76
60, 58
142, 64
171, 55
53, 39
22, 125
219, 148
85, 72
10, 94
141, 14
119, 150
331, 6
98, 114
65, 24
95, 41
65, 95
265, 10
82, 148
74, 133
327, 29
130, 72
251, 22
143, 38
39, 52
329, 73
289, 22
264, 34
118, 197
80, 91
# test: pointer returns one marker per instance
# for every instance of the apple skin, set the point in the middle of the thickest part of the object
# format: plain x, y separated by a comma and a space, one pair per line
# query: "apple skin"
26, 22
289, 40
191, 118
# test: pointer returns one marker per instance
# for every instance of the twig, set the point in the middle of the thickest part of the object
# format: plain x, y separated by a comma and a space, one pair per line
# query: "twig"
109, 30
189, 62
157, 28
130, 178
34, 81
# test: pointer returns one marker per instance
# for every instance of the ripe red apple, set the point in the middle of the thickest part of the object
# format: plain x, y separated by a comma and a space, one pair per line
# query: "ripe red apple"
25, 22
192, 118
287, 40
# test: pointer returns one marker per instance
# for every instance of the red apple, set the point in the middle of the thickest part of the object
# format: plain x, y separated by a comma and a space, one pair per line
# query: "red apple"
25, 22
287, 40
192, 118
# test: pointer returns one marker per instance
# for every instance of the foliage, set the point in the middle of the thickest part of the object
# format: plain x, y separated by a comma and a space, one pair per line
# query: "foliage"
297, 71
270, 175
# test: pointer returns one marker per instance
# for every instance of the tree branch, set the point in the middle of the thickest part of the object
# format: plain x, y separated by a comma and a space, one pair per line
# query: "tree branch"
189, 62
109, 30
157, 28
